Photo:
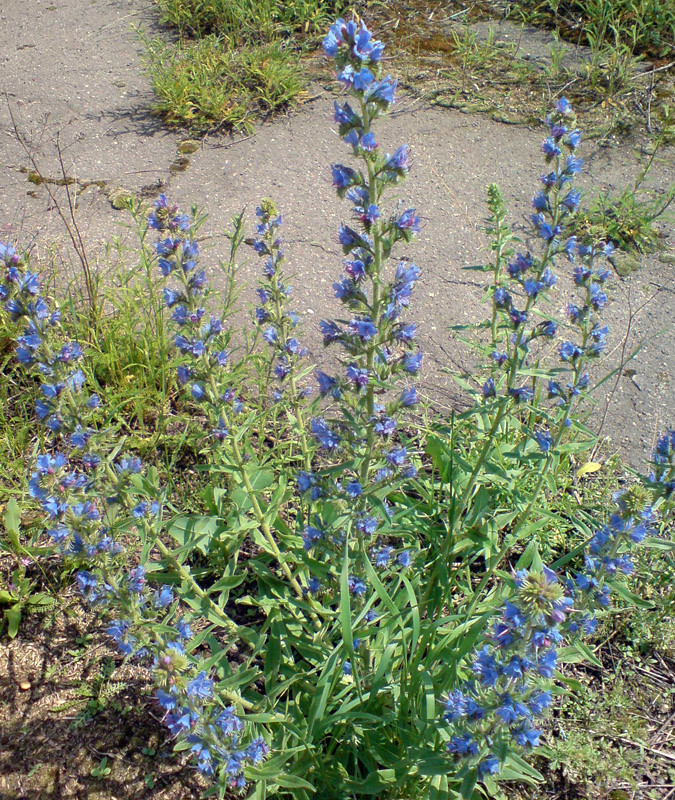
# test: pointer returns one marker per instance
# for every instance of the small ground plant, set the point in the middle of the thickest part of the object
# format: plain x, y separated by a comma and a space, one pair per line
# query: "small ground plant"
646, 26
361, 608
236, 61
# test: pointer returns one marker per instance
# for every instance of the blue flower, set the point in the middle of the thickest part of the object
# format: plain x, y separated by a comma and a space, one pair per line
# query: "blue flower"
310, 536
488, 766
408, 221
345, 115
163, 598
343, 177
412, 363
408, 397
365, 524
354, 489
363, 328
325, 436
522, 394
383, 556
136, 579
358, 375
489, 388
539, 702
544, 440
463, 746
201, 687
397, 456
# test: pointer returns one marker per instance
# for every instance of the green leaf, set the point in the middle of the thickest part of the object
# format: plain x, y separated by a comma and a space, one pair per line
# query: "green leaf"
195, 532
293, 782
13, 524
658, 544
517, 769
13, 617
621, 589
273, 655
468, 784
576, 653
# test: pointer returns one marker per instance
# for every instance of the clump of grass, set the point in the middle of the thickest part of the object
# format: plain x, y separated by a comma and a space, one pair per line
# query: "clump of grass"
235, 61
252, 20
209, 83
648, 26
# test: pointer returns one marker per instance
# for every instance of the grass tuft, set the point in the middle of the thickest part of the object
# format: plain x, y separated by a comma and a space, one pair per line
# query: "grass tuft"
235, 61
209, 83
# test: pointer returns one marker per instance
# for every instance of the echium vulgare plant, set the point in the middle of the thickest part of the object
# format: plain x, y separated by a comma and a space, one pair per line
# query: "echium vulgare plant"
94, 498
379, 356
280, 325
401, 634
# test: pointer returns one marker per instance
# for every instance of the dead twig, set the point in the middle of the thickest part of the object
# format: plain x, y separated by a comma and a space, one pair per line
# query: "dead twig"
70, 224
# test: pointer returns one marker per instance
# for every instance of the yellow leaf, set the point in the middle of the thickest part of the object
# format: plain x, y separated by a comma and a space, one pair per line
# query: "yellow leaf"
588, 467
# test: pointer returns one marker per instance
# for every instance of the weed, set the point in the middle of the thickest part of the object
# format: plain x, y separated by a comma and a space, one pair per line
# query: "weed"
102, 771
100, 693
402, 629
251, 20
628, 219
647, 26
209, 83
242, 61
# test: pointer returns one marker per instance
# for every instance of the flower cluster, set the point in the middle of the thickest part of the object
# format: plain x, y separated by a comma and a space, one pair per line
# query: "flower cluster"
530, 278
201, 338
608, 555
662, 474
71, 469
278, 324
498, 707
189, 699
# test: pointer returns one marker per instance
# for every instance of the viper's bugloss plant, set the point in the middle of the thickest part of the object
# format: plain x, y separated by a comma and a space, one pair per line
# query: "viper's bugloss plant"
91, 496
361, 608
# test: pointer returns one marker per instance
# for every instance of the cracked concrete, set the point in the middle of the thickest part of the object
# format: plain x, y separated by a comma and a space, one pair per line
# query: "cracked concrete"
72, 73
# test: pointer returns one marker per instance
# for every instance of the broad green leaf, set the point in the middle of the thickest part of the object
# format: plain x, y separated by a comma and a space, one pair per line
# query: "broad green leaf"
13, 616
13, 524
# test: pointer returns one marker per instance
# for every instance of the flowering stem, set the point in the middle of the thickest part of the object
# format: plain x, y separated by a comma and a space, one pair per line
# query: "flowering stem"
376, 311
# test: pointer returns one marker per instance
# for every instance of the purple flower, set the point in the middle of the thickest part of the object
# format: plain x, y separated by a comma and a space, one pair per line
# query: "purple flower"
522, 394
408, 221
412, 362
544, 440
489, 388
357, 375
344, 177
354, 489
345, 115
201, 687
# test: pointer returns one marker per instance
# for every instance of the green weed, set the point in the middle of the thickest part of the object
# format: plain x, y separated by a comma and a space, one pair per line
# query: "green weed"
648, 26
210, 83
235, 61
627, 220
252, 20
